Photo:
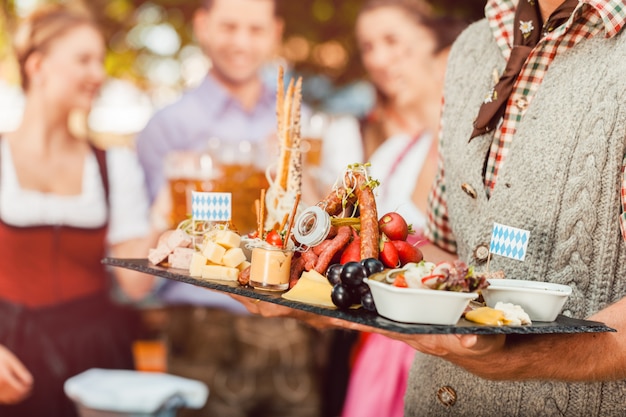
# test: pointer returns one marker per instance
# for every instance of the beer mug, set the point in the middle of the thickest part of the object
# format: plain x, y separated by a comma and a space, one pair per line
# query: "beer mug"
241, 166
236, 167
312, 132
187, 171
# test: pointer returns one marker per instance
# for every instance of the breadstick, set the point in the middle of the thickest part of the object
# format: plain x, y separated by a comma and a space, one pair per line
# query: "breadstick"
285, 155
292, 219
262, 212
284, 222
280, 102
295, 164
259, 222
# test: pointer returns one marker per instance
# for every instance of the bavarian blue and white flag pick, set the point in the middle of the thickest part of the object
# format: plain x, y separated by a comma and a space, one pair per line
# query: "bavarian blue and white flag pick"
509, 241
211, 206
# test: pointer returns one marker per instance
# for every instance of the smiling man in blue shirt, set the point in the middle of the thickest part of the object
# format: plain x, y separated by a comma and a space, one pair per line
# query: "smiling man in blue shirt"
253, 366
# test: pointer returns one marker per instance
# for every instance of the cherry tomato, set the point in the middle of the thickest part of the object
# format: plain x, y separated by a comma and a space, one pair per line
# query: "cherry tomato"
274, 238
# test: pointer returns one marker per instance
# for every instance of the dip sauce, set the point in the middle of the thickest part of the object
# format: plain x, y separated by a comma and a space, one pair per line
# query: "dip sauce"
269, 269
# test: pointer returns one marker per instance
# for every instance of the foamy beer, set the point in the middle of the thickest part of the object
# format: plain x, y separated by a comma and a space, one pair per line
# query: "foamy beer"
313, 130
223, 167
187, 171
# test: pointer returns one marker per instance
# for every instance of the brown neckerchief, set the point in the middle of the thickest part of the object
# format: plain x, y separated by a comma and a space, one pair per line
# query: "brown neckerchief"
528, 30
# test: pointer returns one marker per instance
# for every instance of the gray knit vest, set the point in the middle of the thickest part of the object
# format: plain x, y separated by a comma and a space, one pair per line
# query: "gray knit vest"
560, 181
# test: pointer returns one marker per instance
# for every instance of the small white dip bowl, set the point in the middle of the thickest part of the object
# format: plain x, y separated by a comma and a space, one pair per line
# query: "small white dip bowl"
542, 301
422, 306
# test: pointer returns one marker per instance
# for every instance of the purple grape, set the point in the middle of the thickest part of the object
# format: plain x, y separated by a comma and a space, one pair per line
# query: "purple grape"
333, 274
367, 301
352, 274
341, 296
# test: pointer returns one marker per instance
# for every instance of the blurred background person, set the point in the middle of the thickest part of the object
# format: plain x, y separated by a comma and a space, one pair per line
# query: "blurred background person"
404, 49
253, 366
63, 205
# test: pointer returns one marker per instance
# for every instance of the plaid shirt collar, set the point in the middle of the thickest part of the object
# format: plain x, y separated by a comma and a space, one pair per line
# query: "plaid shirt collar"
501, 14
590, 17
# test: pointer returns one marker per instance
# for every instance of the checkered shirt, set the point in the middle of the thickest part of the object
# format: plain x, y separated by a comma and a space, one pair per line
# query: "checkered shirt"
588, 19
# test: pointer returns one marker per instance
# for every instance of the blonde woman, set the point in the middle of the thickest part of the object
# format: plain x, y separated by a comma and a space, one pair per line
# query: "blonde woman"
63, 206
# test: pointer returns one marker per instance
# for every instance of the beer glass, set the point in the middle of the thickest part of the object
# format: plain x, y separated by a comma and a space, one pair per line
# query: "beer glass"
236, 167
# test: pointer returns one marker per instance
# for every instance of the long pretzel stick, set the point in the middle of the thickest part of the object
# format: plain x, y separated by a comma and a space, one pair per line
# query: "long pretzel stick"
295, 163
280, 102
283, 223
262, 212
291, 220
259, 222
285, 156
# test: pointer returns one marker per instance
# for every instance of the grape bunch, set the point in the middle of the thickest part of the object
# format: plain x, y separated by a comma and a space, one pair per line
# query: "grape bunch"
348, 285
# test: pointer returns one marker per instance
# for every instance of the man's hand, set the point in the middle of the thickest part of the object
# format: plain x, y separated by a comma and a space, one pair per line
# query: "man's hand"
469, 351
15, 380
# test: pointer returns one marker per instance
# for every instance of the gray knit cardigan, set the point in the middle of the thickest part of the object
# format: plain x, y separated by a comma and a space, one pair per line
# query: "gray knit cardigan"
560, 181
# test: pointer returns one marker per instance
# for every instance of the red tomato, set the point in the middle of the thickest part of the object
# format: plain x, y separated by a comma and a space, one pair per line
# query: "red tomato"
274, 238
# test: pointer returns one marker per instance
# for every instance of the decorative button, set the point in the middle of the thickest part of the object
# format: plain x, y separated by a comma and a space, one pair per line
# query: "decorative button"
446, 396
469, 190
481, 253
521, 103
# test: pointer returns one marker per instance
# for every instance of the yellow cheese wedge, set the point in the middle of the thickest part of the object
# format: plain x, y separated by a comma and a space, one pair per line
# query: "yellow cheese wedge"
243, 265
233, 257
312, 288
213, 252
198, 260
220, 273
488, 316
227, 238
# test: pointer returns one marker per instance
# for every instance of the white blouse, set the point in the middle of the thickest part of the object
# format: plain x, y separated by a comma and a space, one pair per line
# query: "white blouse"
397, 185
129, 215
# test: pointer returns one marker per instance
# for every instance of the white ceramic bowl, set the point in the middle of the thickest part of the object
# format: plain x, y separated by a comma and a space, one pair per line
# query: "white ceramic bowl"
542, 301
414, 305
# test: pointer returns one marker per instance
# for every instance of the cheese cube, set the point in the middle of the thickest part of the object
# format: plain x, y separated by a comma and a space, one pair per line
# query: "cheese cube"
227, 239
243, 265
198, 260
218, 272
213, 252
233, 257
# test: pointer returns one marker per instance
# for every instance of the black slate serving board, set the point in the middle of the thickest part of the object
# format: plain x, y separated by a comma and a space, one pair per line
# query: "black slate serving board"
562, 324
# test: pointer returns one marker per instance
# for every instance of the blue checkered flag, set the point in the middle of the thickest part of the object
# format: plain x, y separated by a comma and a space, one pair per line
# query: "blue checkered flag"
211, 206
509, 241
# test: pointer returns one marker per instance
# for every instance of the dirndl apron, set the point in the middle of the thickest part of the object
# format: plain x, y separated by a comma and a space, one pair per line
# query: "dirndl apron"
55, 312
